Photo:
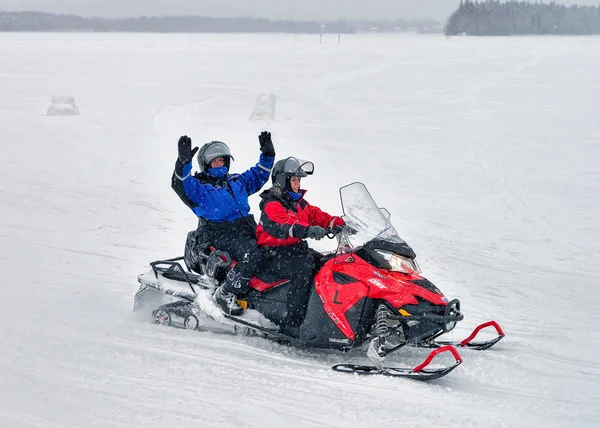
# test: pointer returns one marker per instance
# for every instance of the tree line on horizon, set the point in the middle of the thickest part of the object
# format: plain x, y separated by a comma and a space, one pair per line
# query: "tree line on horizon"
41, 21
497, 18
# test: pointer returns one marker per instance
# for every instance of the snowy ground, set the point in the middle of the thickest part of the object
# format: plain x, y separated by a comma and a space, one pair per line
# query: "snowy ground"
485, 151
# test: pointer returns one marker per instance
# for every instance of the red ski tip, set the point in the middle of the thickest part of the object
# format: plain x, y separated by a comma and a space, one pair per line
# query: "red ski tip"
448, 348
481, 327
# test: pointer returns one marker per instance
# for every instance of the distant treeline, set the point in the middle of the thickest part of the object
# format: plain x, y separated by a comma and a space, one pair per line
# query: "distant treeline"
39, 21
495, 18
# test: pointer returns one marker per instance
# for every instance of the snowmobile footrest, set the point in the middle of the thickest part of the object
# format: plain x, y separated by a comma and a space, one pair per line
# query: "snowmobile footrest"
266, 331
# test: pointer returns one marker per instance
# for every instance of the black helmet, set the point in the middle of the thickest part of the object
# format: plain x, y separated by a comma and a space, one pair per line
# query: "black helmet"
211, 151
290, 167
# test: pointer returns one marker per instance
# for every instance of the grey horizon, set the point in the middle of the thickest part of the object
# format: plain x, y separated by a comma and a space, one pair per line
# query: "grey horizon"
273, 9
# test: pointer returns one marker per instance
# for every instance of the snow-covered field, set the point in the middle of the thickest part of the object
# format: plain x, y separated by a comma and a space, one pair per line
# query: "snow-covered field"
485, 151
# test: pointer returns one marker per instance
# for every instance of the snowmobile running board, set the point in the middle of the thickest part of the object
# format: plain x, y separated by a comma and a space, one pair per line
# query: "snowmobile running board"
419, 372
261, 329
467, 343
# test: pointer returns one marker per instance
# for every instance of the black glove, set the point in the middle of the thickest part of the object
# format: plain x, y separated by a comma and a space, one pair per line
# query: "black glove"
316, 232
186, 154
337, 229
266, 145
344, 228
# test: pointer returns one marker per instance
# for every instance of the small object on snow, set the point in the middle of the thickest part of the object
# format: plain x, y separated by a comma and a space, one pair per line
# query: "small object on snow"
63, 105
264, 109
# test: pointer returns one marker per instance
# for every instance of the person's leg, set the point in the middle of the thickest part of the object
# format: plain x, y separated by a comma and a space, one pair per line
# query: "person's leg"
240, 243
242, 248
280, 263
301, 269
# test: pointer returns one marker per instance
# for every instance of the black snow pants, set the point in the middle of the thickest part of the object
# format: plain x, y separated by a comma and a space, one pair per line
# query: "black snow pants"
296, 263
238, 238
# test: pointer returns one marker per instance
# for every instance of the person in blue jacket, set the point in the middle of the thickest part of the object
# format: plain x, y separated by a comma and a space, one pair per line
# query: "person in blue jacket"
220, 200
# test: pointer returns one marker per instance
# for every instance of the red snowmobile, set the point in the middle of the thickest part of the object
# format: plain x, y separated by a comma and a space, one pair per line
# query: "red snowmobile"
369, 293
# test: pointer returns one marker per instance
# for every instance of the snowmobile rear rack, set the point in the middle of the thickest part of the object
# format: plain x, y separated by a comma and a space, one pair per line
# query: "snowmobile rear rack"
174, 269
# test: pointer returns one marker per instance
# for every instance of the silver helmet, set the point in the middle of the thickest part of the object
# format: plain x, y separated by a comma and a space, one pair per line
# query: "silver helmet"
211, 151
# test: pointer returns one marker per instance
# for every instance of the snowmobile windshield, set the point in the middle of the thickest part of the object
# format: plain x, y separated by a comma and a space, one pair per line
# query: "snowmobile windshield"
373, 231
295, 167
362, 213
216, 149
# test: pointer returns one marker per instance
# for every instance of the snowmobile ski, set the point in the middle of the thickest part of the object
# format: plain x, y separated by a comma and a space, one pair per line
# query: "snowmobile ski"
468, 342
420, 372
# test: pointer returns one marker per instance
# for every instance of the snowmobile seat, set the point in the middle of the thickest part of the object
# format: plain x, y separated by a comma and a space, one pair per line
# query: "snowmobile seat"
196, 251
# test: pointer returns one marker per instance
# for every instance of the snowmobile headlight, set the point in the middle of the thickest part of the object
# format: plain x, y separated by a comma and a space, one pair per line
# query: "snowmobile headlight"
399, 263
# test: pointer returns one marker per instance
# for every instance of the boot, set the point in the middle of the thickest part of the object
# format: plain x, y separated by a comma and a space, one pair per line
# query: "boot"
227, 301
235, 282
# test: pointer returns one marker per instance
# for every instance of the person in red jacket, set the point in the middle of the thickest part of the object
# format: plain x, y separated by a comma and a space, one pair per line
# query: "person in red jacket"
286, 220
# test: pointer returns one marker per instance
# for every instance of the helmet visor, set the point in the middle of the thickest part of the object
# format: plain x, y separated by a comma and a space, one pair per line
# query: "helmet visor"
216, 150
295, 167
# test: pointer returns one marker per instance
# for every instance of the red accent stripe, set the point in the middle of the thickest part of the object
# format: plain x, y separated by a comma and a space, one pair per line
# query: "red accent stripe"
259, 285
233, 262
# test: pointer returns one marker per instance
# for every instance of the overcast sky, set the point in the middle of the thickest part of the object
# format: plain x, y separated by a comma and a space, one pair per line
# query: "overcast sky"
274, 9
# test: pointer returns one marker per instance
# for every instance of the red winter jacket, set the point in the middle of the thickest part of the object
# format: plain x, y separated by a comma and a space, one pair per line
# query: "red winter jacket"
284, 221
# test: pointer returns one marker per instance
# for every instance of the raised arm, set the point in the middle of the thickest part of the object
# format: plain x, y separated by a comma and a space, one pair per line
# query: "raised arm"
256, 177
188, 188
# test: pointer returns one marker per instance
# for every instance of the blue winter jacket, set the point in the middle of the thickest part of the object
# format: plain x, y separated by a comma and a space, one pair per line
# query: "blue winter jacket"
220, 199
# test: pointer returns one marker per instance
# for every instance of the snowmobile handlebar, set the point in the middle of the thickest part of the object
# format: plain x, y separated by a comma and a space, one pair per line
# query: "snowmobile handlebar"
333, 232
336, 230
